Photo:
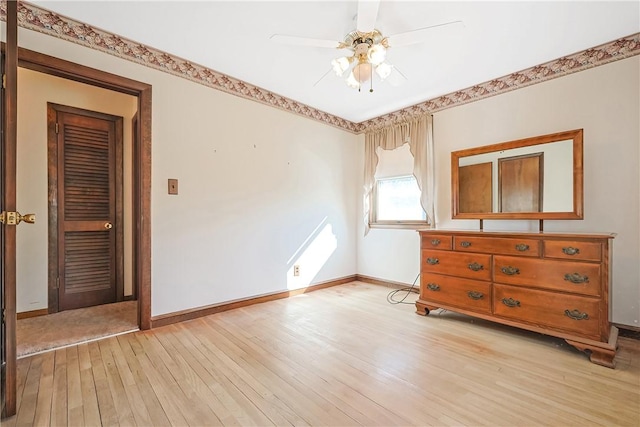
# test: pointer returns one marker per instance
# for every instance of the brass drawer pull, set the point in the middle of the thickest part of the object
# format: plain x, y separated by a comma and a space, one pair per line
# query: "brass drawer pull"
433, 287
576, 315
510, 271
465, 244
571, 251
475, 295
510, 302
576, 278
433, 261
522, 247
435, 242
476, 267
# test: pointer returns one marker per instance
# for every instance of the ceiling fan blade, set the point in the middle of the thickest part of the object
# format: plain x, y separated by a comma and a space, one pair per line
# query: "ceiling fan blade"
367, 15
396, 78
419, 35
303, 41
322, 78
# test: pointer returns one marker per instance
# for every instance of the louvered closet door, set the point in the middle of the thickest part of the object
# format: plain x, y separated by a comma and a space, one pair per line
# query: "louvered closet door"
86, 211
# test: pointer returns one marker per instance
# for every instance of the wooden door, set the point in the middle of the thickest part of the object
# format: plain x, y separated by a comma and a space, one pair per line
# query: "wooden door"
8, 120
476, 188
520, 183
85, 208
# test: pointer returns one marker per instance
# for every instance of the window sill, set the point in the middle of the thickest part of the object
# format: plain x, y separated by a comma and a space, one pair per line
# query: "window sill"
401, 225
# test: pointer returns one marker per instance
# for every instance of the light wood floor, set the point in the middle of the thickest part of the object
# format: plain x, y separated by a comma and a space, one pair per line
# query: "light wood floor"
340, 356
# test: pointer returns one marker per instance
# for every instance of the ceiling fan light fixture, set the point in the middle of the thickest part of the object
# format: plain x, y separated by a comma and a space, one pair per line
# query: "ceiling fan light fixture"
383, 70
352, 82
362, 72
340, 65
377, 54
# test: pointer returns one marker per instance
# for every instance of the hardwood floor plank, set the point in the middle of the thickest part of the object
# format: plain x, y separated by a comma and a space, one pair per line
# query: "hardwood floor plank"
75, 413
45, 391
120, 397
108, 414
88, 387
339, 356
30, 393
162, 387
152, 404
59, 400
124, 385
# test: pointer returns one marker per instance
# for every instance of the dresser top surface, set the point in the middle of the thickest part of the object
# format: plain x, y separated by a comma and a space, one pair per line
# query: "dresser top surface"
518, 234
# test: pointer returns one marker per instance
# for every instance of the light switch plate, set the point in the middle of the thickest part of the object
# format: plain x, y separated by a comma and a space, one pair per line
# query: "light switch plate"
173, 186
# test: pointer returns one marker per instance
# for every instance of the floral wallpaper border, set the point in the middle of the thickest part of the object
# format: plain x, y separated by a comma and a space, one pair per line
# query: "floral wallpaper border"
38, 19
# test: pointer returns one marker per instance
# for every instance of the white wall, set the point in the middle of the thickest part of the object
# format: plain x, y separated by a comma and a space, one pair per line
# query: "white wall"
34, 91
259, 190
605, 102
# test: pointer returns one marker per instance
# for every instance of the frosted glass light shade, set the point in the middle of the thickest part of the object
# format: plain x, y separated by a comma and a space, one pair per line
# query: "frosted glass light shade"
340, 65
377, 54
352, 82
362, 72
383, 70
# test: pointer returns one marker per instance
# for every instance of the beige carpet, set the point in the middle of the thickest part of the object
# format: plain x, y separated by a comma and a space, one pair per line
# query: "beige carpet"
37, 334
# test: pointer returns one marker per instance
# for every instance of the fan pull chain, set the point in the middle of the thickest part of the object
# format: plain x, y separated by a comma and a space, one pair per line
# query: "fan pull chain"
371, 78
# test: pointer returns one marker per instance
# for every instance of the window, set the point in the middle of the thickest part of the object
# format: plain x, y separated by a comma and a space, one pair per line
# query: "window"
396, 201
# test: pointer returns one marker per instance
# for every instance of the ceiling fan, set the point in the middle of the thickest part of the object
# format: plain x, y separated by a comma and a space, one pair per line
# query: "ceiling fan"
368, 48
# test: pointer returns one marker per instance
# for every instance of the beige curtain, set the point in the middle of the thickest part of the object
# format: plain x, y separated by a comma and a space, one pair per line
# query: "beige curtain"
418, 133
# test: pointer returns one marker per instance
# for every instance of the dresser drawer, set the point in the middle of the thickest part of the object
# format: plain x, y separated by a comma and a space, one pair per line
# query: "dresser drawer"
496, 245
579, 315
463, 293
437, 241
575, 277
470, 265
566, 249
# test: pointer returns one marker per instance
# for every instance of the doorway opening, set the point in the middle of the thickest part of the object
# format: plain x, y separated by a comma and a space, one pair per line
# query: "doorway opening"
131, 284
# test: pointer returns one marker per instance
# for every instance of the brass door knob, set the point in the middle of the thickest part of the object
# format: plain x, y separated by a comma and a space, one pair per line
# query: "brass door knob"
108, 225
15, 218
28, 218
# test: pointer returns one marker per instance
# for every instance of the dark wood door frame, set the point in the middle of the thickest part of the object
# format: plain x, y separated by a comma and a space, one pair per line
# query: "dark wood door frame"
9, 168
141, 179
57, 200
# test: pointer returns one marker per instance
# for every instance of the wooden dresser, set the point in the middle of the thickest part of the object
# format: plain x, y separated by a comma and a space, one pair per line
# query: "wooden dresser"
555, 284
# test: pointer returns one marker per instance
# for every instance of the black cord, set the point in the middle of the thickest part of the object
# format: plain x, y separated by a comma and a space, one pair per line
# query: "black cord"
408, 291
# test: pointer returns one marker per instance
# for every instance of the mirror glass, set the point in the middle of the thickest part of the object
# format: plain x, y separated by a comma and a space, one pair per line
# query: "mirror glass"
533, 178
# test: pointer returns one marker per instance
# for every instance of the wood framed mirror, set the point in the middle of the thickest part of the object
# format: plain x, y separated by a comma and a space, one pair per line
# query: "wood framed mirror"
532, 178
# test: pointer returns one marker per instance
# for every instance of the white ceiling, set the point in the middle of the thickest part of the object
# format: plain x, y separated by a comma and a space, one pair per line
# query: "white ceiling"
232, 37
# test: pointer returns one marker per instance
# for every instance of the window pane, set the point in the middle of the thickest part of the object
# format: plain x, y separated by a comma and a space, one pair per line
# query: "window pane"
398, 199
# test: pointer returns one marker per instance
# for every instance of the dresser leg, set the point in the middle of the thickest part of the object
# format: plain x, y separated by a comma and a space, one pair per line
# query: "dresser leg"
424, 309
598, 355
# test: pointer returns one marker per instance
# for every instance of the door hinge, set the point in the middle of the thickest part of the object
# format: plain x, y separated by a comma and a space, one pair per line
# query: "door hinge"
4, 81
57, 282
57, 128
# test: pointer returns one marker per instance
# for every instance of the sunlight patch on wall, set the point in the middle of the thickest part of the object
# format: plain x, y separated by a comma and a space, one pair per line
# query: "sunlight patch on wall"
311, 256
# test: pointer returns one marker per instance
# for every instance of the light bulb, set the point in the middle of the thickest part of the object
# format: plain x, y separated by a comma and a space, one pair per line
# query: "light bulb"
362, 72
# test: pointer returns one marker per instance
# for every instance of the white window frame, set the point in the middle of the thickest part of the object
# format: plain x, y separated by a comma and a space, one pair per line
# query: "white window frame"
405, 224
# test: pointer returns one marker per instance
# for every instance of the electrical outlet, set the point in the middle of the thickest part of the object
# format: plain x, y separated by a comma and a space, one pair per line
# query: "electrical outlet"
296, 270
